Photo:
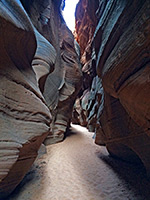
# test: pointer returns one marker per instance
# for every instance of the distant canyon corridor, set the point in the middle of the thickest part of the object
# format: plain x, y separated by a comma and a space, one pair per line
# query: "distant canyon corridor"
97, 77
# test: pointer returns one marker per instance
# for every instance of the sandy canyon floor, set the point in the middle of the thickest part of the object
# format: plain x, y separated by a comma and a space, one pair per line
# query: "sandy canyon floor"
77, 169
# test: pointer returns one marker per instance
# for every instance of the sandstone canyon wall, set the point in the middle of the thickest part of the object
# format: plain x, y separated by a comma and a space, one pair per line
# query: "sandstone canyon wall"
40, 75
60, 87
114, 37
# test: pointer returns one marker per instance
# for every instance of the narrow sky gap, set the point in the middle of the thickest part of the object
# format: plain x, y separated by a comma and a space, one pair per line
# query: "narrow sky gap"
69, 13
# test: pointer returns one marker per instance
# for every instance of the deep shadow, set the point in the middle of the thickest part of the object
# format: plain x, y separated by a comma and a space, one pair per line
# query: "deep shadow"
133, 174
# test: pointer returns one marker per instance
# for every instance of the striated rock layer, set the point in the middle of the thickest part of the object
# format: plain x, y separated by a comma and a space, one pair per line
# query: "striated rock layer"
118, 106
24, 116
62, 85
40, 74
86, 21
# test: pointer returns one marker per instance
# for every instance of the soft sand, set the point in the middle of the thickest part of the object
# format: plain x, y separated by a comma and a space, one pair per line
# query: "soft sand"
77, 169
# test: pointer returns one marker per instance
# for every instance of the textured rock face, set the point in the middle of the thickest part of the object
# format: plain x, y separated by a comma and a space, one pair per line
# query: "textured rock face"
121, 105
40, 74
86, 21
24, 116
62, 85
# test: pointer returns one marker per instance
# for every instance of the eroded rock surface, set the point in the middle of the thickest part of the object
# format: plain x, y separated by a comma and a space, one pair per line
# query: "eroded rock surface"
86, 21
24, 116
40, 74
120, 53
60, 87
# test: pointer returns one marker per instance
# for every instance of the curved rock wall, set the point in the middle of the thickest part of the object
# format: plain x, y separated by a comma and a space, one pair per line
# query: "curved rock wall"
24, 115
60, 87
86, 21
118, 106
40, 75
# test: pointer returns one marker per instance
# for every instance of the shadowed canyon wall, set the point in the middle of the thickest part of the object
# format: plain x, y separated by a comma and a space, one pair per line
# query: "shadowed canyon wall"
40, 78
114, 38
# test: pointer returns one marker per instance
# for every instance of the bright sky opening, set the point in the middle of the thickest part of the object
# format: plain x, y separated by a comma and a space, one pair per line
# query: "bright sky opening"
69, 13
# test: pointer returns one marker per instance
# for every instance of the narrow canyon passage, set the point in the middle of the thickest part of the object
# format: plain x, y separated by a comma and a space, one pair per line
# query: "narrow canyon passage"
77, 169
96, 76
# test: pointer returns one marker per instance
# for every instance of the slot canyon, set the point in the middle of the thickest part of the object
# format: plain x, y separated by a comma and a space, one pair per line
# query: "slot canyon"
75, 105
